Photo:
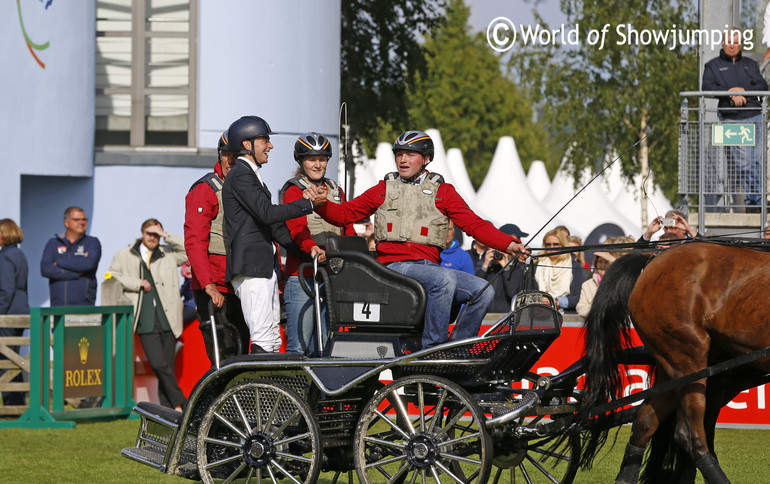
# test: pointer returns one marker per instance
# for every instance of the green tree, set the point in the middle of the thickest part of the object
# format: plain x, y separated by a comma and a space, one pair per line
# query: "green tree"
380, 44
604, 100
465, 95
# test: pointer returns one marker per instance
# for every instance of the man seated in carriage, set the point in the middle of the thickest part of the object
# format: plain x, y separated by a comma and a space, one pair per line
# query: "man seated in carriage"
412, 209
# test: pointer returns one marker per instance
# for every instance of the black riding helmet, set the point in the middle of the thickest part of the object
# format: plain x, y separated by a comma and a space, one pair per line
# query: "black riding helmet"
312, 144
414, 141
246, 128
222, 144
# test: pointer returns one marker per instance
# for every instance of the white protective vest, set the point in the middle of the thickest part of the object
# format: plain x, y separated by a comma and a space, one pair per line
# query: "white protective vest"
319, 228
409, 213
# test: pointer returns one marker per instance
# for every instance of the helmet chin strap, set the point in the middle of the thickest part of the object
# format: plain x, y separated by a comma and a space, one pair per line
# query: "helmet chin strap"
418, 174
251, 152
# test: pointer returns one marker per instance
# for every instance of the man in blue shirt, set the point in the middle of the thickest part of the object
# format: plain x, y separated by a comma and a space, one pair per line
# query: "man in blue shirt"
70, 260
454, 256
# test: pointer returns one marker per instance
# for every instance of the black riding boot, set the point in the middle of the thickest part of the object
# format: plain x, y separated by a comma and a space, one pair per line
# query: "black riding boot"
631, 465
710, 470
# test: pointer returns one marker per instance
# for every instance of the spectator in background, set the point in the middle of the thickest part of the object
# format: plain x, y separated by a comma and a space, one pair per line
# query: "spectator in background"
70, 260
511, 281
364, 228
766, 233
663, 241
188, 300
148, 272
677, 225
454, 257
602, 261
558, 274
13, 291
735, 73
477, 252
575, 241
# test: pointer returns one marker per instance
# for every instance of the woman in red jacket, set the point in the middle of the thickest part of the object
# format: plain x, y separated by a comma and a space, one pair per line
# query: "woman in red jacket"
312, 152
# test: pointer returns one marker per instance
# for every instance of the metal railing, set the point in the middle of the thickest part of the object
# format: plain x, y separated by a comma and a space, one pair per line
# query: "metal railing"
77, 351
723, 160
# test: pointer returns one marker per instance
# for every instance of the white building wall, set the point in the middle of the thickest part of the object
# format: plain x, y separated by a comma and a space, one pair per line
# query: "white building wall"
276, 60
47, 116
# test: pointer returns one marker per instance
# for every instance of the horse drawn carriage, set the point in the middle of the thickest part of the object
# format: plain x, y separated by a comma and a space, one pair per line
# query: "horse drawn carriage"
450, 414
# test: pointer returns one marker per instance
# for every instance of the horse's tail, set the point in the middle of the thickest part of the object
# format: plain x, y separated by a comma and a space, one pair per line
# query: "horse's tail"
606, 332
666, 460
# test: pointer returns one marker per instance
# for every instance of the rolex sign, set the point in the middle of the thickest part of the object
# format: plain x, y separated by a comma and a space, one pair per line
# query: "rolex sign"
83, 361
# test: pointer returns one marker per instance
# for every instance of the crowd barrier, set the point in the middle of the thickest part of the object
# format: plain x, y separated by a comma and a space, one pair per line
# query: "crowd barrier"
76, 352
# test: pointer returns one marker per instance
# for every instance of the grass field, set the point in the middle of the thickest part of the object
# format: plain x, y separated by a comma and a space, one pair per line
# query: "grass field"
90, 453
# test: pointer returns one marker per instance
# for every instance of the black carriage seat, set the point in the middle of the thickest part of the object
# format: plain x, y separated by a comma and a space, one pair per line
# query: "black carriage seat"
369, 302
507, 352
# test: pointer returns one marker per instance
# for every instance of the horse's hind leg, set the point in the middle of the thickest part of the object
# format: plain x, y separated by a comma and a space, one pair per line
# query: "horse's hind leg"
691, 433
651, 412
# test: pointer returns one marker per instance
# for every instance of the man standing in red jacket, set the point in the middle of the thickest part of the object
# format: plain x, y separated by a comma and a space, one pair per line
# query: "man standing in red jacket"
412, 209
205, 247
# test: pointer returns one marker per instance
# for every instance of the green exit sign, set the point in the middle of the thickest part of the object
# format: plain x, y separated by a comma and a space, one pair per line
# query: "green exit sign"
733, 134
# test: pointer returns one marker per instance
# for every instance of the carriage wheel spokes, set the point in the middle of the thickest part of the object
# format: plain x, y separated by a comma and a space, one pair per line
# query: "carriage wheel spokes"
537, 461
259, 431
422, 429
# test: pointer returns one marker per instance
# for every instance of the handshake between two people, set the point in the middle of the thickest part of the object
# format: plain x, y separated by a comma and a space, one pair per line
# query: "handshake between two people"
316, 194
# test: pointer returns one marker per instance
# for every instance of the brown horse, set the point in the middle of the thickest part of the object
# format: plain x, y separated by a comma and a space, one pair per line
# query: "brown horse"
693, 305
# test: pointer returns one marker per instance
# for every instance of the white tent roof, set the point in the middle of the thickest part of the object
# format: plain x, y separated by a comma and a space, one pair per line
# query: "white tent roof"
629, 201
461, 180
538, 179
365, 178
384, 161
505, 197
587, 210
439, 164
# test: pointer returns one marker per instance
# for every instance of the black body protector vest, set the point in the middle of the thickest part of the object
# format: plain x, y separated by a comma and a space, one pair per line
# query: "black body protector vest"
319, 228
216, 235
409, 213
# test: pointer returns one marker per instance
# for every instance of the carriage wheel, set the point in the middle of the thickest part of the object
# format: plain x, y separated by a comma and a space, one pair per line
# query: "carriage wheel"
259, 432
536, 460
422, 429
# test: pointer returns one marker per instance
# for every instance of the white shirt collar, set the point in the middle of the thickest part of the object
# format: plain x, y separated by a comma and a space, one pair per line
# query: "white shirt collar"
253, 166
143, 251
417, 180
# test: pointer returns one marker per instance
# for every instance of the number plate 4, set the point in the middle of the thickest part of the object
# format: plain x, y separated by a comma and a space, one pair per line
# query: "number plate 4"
368, 312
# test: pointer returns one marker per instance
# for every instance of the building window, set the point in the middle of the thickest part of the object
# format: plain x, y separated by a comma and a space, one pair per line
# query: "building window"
146, 72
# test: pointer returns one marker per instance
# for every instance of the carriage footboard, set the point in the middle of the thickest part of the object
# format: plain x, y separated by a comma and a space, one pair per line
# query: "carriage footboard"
158, 430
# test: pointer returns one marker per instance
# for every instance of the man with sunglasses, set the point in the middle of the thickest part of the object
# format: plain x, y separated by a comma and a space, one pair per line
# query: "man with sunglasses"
147, 270
70, 260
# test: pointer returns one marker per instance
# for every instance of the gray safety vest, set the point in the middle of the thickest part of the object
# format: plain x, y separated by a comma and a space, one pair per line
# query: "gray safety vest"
319, 228
409, 213
216, 234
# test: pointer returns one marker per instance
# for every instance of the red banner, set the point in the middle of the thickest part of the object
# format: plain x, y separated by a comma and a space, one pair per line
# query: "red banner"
747, 409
